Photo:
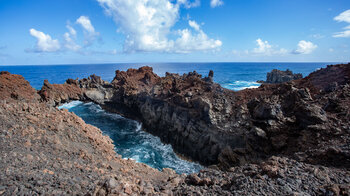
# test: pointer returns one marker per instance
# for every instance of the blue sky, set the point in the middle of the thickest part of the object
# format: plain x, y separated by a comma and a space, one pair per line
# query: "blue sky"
117, 31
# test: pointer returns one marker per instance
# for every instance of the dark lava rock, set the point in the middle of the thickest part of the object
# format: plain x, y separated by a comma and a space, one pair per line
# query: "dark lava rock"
277, 76
304, 123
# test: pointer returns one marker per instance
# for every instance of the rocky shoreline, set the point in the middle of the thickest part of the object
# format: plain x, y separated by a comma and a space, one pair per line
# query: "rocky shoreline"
279, 139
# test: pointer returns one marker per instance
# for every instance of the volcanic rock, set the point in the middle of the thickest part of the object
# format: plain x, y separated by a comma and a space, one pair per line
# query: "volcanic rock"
278, 76
279, 139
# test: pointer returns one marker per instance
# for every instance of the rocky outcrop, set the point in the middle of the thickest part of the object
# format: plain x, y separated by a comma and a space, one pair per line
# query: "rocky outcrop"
46, 151
16, 87
282, 139
213, 125
278, 76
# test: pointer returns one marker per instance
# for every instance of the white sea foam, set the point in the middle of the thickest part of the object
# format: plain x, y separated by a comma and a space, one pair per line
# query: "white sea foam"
70, 105
243, 83
240, 85
131, 141
245, 87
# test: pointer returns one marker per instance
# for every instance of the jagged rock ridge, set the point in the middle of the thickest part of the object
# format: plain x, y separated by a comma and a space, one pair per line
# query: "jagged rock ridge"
214, 125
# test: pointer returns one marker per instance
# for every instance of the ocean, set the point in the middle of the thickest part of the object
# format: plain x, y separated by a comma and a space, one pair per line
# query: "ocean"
129, 138
235, 76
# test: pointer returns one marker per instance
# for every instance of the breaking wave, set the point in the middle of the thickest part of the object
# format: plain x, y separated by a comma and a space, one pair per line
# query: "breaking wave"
240, 85
130, 140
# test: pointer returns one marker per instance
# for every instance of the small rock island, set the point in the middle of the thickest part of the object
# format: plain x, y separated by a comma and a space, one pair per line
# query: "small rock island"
277, 76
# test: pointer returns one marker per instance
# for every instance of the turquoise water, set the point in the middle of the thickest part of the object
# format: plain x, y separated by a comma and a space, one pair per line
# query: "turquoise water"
130, 140
235, 76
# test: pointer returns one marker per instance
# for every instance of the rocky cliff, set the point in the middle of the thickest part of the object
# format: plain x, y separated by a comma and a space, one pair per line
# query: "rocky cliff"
46, 151
213, 125
279, 139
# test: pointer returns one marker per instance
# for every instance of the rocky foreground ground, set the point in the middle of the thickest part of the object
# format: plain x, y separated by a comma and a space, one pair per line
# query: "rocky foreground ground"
280, 139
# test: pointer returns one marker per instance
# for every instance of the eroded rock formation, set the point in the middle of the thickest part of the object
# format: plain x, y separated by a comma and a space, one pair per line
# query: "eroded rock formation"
277, 76
279, 139
46, 151
214, 125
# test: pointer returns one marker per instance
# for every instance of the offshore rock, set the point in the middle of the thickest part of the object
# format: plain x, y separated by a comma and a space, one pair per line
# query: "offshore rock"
278, 76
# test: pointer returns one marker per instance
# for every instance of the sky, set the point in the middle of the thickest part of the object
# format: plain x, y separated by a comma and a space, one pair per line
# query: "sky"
42, 32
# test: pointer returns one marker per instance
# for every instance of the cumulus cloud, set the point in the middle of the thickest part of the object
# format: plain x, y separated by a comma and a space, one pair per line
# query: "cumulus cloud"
89, 30
147, 26
44, 42
264, 48
216, 3
188, 42
343, 17
305, 47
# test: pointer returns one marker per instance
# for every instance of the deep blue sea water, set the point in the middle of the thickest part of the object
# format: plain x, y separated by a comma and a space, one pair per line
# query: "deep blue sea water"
130, 141
235, 76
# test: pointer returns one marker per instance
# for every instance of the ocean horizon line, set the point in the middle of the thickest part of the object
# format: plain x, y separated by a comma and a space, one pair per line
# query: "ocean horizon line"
150, 63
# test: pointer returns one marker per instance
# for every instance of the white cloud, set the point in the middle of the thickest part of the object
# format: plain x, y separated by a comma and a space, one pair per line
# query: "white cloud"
71, 30
264, 48
343, 17
187, 42
147, 26
331, 50
194, 25
69, 43
85, 22
188, 3
305, 47
216, 3
342, 34
44, 42
89, 30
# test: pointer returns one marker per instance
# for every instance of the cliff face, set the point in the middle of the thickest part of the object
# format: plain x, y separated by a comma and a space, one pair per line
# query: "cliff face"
214, 125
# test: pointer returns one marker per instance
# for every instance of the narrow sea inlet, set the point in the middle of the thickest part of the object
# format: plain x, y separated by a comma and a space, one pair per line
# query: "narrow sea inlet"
130, 140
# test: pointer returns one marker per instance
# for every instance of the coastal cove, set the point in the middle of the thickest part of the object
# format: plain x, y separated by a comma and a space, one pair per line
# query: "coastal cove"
287, 136
130, 141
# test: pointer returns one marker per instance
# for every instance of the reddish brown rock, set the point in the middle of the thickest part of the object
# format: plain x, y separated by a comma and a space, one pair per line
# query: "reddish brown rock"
16, 87
49, 151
